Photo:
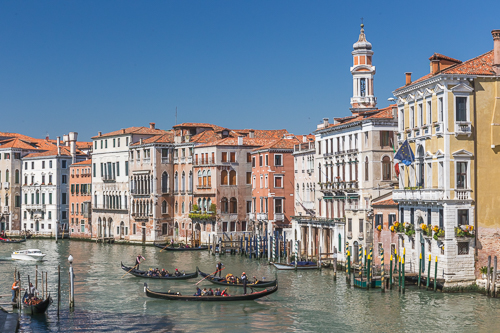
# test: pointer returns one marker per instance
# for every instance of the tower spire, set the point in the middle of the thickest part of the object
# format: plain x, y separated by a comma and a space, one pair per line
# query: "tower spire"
362, 71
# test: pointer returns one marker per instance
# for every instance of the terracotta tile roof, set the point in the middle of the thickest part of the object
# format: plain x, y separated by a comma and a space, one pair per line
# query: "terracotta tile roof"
439, 56
132, 130
250, 142
17, 143
65, 151
385, 113
83, 145
205, 136
388, 202
264, 134
86, 162
480, 65
280, 144
163, 138
203, 125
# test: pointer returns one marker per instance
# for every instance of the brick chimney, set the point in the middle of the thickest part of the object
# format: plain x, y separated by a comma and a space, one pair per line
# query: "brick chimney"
152, 125
99, 133
408, 78
496, 51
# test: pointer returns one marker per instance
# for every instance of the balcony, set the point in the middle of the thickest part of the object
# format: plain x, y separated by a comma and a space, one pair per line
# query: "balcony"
439, 129
190, 159
304, 146
103, 208
349, 234
463, 128
108, 178
5, 210
400, 137
146, 160
463, 194
165, 160
35, 206
203, 161
279, 217
251, 216
262, 216
426, 132
6, 185
418, 195
352, 151
176, 160
165, 190
203, 187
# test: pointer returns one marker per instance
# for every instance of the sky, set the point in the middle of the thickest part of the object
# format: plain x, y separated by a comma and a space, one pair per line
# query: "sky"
90, 66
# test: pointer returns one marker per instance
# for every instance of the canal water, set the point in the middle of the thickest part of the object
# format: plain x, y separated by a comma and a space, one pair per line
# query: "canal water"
307, 301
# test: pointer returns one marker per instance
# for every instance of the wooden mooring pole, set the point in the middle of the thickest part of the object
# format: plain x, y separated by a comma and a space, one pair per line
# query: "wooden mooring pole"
493, 283
488, 276
58, 288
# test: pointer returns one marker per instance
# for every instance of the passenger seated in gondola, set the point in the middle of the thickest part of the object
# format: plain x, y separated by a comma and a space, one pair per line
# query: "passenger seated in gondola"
217, 292
163, 272
198, 292
177, 273
210, 292
224, 293
255, 280
167, 274
157, 272
204, 292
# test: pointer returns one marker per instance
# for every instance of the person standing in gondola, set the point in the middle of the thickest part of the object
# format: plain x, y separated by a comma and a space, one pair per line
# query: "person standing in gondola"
244, 280
15, 289
138, 261
219, 268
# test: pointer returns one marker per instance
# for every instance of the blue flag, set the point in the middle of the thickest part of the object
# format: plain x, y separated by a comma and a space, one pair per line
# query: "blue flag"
405, 154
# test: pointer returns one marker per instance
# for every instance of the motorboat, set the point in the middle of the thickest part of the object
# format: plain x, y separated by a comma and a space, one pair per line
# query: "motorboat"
30, 254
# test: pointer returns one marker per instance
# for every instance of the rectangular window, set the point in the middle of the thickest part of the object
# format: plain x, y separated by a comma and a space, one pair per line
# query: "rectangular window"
126, 168
249, 178
64, 214
93, 166
429, 217
114, 143
278, 206
134, 229
463, 248
462, 175
463, 217
249, 158
72, 188
32, 165
43, 198
224, 156
260, 160
267, 160
278, 160
126, 141
349, 225
429, 112
50, 198
64, 179
392, 219
461, 108
361, 222
77, 188
95, 145
441, 219
402, 215
64, 164
63, 198
232, 156
420, 115
117, 169
106, 143
43, 164
278, 181
18, 201
50, 217
253, 162
385, 138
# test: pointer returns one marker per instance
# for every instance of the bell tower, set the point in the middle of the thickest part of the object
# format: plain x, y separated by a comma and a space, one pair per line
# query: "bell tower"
362, 71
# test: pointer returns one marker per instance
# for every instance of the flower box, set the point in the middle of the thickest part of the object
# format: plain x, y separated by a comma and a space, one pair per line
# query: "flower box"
464, 231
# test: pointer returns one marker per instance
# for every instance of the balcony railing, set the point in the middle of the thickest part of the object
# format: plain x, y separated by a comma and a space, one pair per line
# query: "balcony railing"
303, 146
439, 129
251, 216
165, 160
6, 185
463, 128
349, 234
463, 194
418, 194
146, 160
108, 178
165, 190
5, 209
203, 161
262, 216
279, 216
35, 206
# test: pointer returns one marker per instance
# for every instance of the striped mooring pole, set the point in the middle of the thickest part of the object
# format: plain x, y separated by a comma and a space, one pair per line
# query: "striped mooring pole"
274, 248
258, 247
370, 270
382, 271
428, 274
296, 252
347, 253
360, 262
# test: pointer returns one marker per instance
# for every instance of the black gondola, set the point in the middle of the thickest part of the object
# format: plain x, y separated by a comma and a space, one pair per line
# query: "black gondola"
143, 274
171, 248
38, 308
5, 240
224, 282
179, 297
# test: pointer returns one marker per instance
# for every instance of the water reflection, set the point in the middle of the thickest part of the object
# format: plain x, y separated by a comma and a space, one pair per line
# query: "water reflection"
306, 301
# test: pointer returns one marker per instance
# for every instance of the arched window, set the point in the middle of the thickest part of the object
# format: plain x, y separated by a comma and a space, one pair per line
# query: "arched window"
233, 206
17, 177
7, 176
164, 207
386, 168
182, 207
367, 167
209, 178
164, 182
223, 178
224, 205
204, 178
176, 207
209, 203
183, 182
199, 179
205, 205
190, 182
176, 182
232, 177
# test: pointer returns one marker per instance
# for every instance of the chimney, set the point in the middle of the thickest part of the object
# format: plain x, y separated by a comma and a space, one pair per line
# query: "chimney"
47, 138
435, 66
66, 139
72, 143
58, 142
140, 141
325, 122
123, 131
408, 78
251, 134
152, 125
496, 51
240, 141
99, 133
304, 138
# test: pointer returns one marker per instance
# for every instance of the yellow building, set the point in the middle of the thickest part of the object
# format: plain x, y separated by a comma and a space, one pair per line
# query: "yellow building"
451, 118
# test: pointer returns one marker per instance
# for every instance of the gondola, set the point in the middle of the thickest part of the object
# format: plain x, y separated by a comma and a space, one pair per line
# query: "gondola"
224, 282
38, 308
179, 297
171, 248
6, 240
143, 274
300, 265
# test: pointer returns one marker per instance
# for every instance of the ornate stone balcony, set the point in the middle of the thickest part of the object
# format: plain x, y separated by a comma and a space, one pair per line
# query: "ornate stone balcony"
463, 194
463, 128
418, 194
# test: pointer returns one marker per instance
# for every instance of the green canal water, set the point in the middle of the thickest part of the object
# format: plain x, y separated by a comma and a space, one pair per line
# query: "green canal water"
307, 301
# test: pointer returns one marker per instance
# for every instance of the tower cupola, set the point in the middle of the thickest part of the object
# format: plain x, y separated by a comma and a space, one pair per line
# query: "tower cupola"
363, 71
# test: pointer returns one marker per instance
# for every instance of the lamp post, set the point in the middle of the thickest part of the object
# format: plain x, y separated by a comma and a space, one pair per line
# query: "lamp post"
72, 283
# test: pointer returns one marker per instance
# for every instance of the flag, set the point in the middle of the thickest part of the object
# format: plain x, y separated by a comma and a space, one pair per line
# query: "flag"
405, 154
396, 163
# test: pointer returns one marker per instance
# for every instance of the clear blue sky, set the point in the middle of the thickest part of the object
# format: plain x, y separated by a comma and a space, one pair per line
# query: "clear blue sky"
90, 66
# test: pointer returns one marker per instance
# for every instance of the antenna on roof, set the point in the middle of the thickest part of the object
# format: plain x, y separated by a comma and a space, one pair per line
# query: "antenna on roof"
176, 115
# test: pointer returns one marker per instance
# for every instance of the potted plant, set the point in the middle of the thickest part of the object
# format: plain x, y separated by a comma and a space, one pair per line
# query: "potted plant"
464, 231
409, 229
483, 270
426, 230
438, 232
379, 227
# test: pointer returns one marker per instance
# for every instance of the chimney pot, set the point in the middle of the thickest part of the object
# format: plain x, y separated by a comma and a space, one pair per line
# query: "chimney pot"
496, 50
123, 130
152, 125
99, 133
408, 78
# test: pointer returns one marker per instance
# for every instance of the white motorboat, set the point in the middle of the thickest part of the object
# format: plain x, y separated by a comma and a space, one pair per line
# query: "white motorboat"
30, 254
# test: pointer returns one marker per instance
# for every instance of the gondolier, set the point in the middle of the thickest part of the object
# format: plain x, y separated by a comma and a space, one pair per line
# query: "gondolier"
15, 288
219, 267
138, 260
244, 281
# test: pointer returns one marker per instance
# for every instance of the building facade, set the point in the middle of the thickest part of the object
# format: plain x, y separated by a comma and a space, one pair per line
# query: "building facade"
385, 236
80, 196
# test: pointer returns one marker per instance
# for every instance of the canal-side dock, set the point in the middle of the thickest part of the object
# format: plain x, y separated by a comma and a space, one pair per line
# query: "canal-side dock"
9, 322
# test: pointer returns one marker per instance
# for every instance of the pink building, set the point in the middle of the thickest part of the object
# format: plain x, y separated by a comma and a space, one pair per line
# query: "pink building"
385, 213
